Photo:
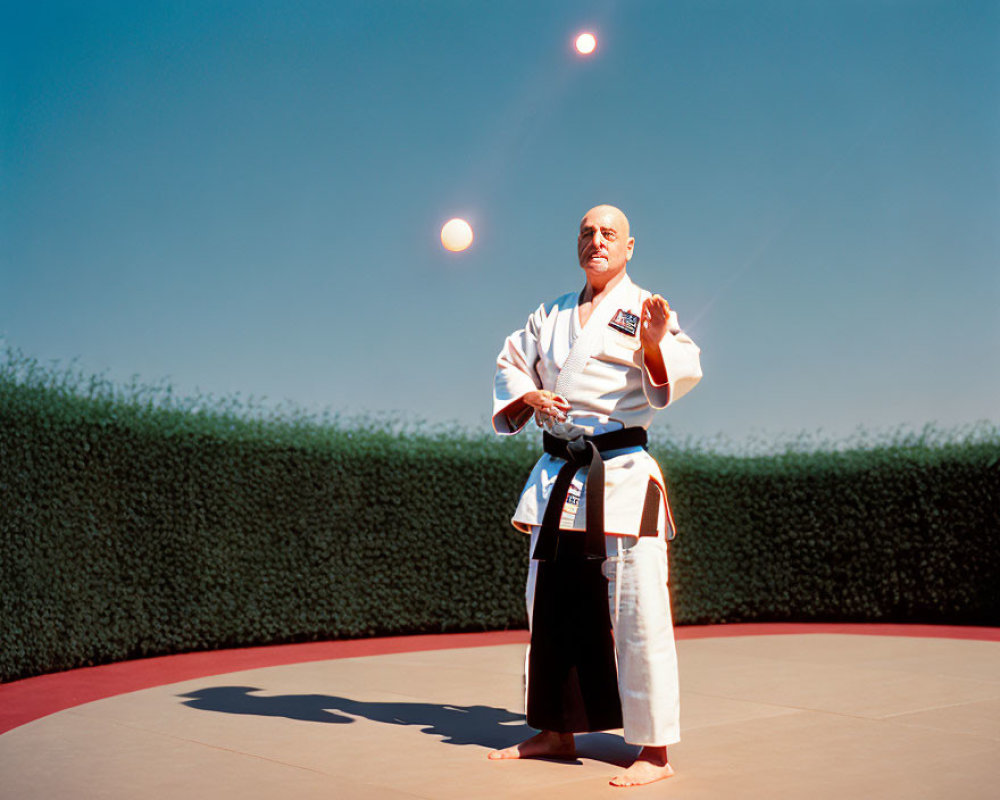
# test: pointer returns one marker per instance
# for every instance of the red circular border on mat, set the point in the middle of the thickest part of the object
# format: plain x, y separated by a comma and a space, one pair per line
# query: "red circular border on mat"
29, 699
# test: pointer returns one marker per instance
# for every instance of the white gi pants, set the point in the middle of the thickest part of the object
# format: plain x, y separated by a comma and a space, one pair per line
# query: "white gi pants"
636, 569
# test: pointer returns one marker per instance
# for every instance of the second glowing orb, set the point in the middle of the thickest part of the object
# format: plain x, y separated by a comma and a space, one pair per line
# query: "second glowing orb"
585, 44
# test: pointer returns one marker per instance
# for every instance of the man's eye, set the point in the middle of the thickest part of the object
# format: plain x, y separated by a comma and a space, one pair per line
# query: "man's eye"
610, 236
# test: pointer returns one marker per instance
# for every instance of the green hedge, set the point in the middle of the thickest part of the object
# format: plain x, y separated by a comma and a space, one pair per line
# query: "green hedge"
133, 524
900, 533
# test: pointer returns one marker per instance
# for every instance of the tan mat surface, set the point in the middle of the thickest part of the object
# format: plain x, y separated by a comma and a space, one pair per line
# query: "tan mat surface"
812, 716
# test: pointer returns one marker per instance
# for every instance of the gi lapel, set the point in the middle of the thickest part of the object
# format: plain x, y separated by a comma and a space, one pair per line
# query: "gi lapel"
591, 338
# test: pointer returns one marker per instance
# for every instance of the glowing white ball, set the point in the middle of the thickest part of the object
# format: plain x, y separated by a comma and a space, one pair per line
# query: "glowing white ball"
456, 235
585, 44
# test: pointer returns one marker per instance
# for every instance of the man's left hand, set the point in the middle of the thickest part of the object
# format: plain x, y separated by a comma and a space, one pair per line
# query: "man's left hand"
655, 313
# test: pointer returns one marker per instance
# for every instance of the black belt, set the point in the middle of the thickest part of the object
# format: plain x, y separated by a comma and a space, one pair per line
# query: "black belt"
586, 451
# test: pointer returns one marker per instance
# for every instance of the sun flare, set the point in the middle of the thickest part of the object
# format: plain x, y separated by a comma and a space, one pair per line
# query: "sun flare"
456, 235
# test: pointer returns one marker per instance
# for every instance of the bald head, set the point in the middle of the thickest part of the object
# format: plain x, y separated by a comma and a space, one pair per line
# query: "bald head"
609, 212
604, 246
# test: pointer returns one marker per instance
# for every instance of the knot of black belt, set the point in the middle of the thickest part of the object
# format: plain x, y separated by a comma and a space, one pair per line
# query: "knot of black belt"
584, 451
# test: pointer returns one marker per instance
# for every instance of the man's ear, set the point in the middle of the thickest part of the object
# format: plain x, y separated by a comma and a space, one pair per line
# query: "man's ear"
629, 246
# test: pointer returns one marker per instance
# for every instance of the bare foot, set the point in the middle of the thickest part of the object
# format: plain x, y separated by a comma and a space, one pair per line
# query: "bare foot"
547, 744
650, 765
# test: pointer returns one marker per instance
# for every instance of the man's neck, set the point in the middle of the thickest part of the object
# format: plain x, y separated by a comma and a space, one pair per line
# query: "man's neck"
594, 293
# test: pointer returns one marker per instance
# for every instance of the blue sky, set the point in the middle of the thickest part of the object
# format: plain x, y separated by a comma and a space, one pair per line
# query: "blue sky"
246, 197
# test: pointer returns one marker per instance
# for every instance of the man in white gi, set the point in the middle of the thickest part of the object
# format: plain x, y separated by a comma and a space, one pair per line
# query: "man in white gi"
592, 368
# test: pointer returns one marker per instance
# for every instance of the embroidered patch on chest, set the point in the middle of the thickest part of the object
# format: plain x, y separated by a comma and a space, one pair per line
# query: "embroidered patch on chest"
625, 321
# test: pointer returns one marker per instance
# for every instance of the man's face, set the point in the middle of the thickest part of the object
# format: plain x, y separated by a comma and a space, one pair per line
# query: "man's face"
604, 246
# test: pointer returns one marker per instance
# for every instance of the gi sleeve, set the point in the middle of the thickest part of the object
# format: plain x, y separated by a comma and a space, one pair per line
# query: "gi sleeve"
516, 374
681, 357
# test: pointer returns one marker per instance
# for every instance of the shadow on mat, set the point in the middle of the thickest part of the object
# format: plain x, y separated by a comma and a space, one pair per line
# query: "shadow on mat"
478, 725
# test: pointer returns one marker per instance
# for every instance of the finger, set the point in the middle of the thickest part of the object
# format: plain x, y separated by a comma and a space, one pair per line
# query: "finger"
560, 402
544, 400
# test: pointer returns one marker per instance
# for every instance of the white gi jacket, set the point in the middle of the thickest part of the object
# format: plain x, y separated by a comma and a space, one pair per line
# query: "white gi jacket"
599, 369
